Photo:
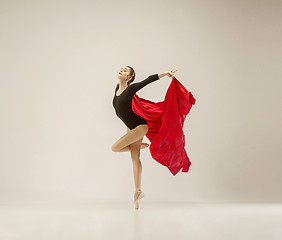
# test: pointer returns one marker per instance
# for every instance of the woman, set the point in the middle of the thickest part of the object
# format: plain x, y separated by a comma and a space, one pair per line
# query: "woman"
137, 126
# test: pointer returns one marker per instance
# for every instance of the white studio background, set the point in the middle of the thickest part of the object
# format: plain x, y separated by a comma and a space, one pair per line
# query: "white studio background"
58, 70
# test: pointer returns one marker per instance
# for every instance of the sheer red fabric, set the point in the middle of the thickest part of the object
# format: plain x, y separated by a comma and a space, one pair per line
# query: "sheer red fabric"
165, 120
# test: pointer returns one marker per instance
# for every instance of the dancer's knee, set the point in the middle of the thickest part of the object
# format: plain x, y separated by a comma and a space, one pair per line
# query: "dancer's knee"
114, 148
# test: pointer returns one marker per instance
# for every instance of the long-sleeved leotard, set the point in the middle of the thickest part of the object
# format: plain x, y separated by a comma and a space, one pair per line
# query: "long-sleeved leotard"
123, 103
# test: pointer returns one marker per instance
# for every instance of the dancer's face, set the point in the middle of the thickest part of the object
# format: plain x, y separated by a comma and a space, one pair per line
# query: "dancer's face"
124, 74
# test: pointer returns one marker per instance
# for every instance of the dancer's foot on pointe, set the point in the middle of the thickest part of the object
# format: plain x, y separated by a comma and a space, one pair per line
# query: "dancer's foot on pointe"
137, 196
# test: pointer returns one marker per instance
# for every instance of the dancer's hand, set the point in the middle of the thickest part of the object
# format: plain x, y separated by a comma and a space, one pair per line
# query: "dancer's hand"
171, 73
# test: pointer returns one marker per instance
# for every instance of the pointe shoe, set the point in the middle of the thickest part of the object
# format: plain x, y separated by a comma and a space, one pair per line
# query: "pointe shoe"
137, 196
144, 145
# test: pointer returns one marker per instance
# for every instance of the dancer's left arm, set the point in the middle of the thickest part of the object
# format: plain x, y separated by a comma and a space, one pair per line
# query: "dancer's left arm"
163, 74
170, 74
137, 86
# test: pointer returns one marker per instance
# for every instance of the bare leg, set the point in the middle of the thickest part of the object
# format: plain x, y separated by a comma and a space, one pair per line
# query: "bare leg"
137, 170
127, 148
135, 157
137, 166
126, 143
130, 137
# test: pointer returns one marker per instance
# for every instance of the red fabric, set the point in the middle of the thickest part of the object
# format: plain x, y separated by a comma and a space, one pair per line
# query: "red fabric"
165, 120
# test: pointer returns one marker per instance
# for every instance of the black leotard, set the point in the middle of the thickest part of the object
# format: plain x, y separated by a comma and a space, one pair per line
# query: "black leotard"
123, 102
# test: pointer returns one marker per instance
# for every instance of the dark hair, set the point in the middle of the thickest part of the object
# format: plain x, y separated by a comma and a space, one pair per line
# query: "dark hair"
132, 73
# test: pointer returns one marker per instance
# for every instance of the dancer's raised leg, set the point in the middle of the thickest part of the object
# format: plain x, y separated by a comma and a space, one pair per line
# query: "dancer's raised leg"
130, 137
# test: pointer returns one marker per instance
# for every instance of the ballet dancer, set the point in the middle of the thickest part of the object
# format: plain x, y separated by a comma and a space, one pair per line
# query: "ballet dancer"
136, 126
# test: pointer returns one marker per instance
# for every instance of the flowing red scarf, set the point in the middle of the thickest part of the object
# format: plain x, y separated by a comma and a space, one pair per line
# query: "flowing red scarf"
165, 120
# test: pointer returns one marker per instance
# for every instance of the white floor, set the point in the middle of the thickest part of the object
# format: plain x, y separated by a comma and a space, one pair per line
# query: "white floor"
152, 221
